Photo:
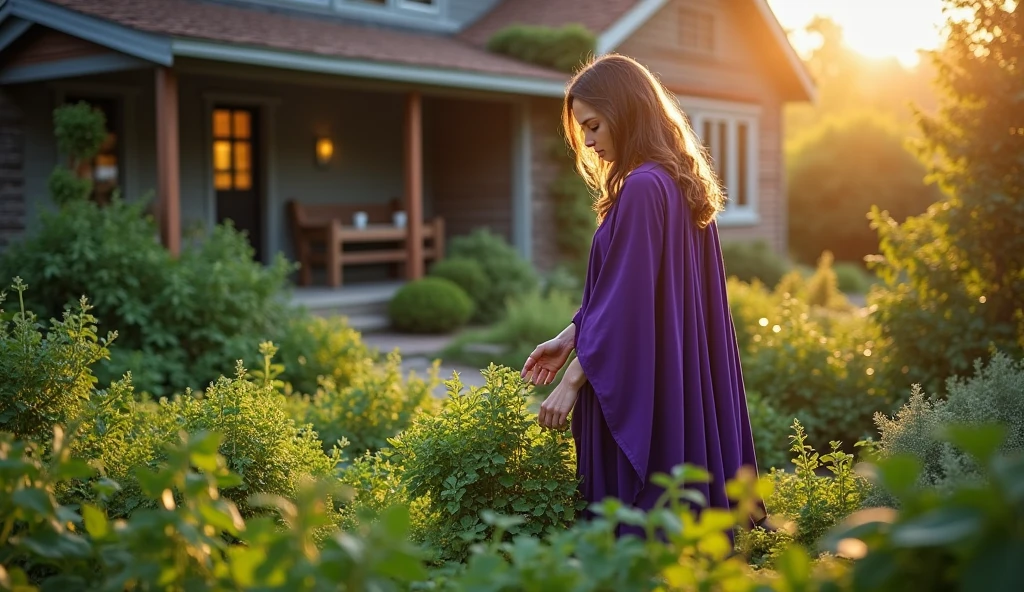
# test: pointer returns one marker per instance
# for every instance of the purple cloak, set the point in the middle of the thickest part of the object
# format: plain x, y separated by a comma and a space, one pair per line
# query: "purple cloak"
656, 341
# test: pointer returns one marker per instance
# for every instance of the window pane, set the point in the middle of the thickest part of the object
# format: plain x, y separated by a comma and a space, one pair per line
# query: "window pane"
243, 129
222, 123
243, 180
222, 181
743, 176
243, 156
222, 155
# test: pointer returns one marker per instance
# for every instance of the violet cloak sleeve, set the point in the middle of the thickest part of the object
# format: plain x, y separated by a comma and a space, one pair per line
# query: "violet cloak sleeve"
616, 328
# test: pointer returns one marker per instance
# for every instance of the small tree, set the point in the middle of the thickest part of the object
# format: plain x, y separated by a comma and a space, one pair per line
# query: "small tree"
955, 274
80, 131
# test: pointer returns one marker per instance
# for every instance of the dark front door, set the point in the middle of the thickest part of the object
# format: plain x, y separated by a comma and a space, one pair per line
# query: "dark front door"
236, 174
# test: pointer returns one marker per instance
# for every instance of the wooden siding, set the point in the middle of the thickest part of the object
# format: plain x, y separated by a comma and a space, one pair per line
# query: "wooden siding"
471, 160
47, 46
735, 70
12, 176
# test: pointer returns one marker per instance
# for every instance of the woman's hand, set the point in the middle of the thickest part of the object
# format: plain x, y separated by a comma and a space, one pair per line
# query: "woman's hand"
555, 409
549, 357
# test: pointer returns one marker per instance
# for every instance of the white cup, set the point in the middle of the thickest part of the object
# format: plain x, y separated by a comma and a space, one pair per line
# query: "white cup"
399, 218
360, 219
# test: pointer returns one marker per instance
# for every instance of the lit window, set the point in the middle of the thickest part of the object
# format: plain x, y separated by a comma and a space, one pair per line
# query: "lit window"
232, 150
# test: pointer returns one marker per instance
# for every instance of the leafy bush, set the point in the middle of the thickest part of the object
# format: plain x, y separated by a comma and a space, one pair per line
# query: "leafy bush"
967, 538
180, 322
821, 367
375, 406
770, 430
574, 216
466, 274
46, 376
508, 274
484, 451
822, 288
312, 347
562, 49
80, 131
995, 394
853, 278
191, 537
748, 304
430, 305
750, 260
830, 194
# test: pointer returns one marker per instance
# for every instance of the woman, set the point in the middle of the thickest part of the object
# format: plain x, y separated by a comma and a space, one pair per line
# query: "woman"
656, 381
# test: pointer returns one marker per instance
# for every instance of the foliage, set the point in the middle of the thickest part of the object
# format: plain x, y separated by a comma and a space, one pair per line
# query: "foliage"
823, 367
485, 451
562, 48
822, 288
508, 274
312, 347
837, 172
180, 322
770, 432
465, 273
80, 131
184, 540
992, 395
376, 405
430, 305
574, 218
852, 278
968, 538
67, 187
48, 375
953, 275
750, 260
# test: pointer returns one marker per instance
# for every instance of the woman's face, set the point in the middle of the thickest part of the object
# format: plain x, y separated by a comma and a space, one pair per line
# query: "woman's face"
597, 134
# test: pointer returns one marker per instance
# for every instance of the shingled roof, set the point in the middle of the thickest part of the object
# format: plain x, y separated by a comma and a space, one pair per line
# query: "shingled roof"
596, 16
194, 19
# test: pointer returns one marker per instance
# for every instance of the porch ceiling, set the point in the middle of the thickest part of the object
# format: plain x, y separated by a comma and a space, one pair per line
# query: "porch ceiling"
159, 30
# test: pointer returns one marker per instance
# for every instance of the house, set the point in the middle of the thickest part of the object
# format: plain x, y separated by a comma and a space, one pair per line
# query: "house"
229, 109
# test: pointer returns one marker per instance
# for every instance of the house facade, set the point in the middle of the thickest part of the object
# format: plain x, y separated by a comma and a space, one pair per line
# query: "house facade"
227, 110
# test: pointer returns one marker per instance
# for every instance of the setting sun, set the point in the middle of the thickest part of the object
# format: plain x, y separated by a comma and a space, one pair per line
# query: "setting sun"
873, 28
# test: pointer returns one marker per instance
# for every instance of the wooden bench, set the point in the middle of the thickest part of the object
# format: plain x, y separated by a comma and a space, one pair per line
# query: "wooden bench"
320, 233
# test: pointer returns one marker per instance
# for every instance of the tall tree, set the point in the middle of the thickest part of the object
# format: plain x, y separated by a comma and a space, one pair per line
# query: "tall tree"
955, 275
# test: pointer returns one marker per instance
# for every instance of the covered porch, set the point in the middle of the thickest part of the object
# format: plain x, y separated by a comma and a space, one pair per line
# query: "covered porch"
211, 141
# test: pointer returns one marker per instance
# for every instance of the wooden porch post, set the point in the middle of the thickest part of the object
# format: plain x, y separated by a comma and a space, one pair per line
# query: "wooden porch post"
167, 156
414, 185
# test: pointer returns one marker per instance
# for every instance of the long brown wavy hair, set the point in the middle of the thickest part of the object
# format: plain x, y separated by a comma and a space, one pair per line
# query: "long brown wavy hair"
646, 125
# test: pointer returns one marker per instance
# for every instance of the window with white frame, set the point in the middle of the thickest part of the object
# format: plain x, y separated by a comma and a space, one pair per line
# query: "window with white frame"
730, 133
428, 6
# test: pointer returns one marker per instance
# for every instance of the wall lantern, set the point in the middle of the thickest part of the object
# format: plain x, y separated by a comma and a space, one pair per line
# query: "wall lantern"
324, 151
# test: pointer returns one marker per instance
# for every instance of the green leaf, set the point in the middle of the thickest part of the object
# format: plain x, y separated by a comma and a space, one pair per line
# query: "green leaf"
996, 567
396, 521
899, 474
980, 441
794, 565
942, 526
95, 521
402, 567
35, 500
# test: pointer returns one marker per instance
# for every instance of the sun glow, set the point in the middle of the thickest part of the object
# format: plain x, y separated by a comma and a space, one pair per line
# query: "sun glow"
873, 28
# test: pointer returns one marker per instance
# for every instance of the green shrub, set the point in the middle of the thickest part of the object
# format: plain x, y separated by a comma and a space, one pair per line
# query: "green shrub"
508, 274
180, 322
575, 218
375, 406
967, 538
853, 278
823, 368
748, 304
430, 305
562, 49
66, 187
485, 451
46, 376
750, 260
822, 288
771, 431
312, 347
466, 274
995, 394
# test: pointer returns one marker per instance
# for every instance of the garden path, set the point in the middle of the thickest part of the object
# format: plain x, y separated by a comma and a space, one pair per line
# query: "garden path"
418, 353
